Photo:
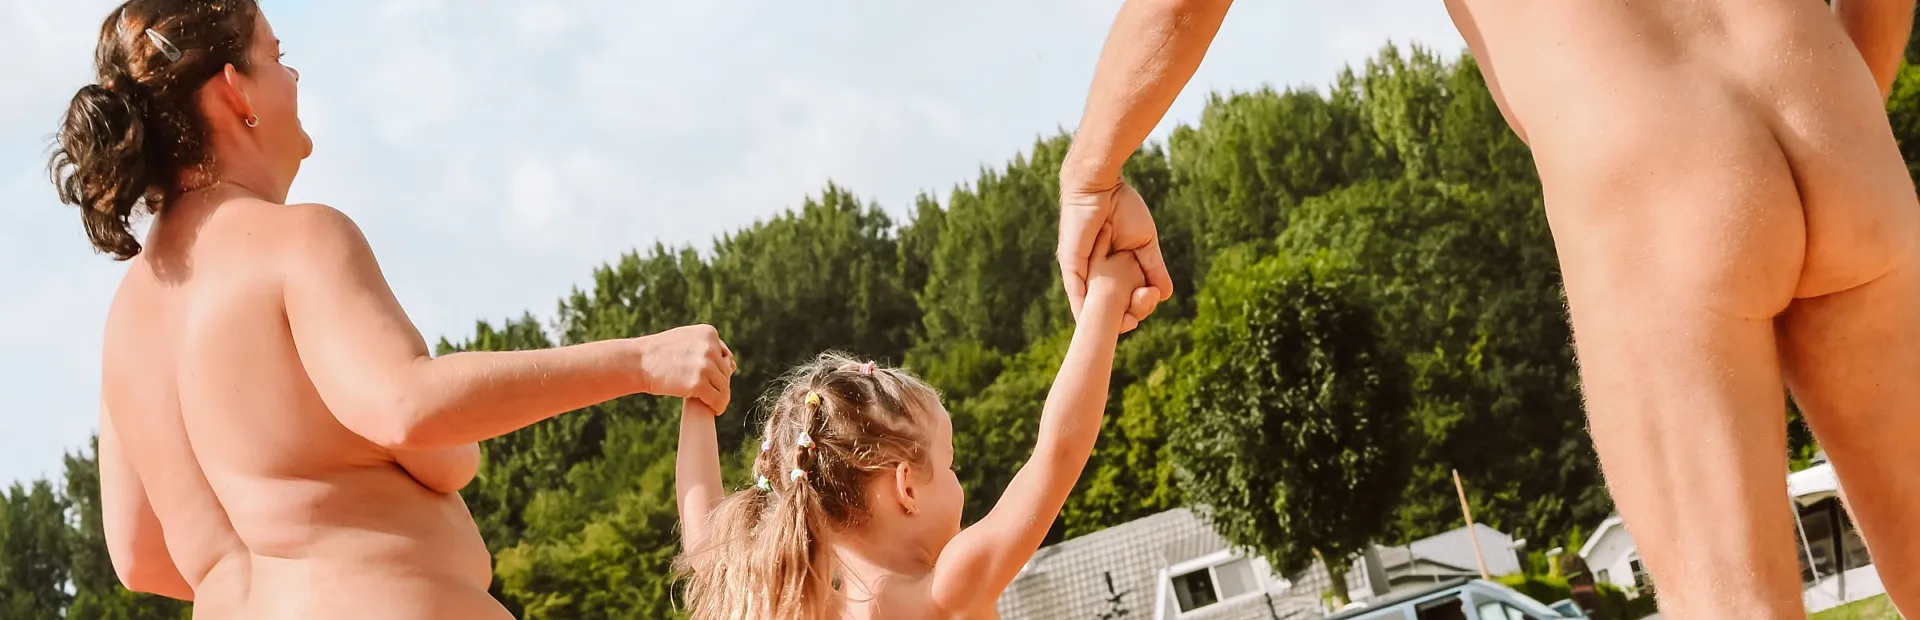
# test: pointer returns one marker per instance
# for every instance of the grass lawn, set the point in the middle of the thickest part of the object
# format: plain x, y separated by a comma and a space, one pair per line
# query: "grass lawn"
1876, 608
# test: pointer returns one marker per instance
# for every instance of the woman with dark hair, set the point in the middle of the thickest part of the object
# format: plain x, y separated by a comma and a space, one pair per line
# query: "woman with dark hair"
275, 440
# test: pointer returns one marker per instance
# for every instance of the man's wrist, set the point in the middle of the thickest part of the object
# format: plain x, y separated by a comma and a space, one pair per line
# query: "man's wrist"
631, 358
1084, 172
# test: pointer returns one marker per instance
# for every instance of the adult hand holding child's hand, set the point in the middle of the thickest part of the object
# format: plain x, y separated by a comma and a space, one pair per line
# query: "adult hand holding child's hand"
1115, 278
1119, 211
688, 362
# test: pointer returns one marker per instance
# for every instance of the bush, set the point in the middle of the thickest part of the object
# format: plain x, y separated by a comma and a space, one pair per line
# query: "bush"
1541, 588
1614, 604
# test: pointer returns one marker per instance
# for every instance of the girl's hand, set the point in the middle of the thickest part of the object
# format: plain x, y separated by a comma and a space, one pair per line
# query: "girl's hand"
1115, 276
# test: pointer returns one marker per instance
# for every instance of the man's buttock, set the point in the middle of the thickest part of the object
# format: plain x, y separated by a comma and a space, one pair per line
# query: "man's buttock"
1751, 138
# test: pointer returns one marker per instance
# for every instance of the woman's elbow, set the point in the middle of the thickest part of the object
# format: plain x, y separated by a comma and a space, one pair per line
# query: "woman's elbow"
394, 423
393, 412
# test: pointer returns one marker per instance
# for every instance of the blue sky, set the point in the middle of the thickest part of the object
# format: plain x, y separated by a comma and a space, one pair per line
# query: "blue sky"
495, 151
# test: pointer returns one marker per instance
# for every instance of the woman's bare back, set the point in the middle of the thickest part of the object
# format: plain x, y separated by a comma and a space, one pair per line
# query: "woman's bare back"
271, 507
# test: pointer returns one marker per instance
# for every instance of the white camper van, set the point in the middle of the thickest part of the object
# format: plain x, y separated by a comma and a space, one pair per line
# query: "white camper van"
1457, 599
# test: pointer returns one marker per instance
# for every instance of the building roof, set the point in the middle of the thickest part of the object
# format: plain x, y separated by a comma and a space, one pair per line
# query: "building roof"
1394, 559
1813, 484
1069, 579
1455, 547
1601, 532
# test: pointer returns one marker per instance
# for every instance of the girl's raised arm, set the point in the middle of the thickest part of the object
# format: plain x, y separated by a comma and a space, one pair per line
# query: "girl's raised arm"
985, 558
697, 473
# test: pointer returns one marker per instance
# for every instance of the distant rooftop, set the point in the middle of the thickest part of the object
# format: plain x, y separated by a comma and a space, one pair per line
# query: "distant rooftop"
1069, 579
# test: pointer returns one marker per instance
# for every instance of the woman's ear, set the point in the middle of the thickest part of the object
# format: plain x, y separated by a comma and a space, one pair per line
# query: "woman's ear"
232, 91
904, 487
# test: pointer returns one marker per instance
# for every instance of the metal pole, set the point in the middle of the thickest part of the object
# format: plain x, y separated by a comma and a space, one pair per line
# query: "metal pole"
1805, 544
1838, 530
1474, 534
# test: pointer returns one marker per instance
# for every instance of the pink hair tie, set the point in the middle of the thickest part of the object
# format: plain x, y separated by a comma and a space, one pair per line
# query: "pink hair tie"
867, 369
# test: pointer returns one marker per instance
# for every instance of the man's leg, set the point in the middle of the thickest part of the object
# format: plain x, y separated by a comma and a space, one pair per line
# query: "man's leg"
1680, 241
1686, 410
1853, 360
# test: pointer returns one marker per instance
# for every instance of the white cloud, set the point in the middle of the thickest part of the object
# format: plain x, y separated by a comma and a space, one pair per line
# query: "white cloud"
495, 151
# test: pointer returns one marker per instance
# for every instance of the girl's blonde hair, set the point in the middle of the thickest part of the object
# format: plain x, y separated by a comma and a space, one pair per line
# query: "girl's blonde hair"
835, 423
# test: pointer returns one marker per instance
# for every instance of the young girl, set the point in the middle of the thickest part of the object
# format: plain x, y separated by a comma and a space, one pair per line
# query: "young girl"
855, 511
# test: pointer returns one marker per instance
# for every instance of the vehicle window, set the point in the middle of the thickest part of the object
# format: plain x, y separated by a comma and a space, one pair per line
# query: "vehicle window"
1450, 608
1496, 610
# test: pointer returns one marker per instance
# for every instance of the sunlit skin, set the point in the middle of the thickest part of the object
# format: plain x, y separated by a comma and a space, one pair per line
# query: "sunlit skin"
275, 440
1733, 219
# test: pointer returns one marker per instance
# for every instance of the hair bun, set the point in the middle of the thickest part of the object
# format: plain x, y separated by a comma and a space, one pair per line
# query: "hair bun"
137, 135
101, 165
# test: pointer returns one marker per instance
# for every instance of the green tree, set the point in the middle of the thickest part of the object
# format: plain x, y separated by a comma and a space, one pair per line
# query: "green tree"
33, 559
1294, 439
97, 593
1903, 111
1253, 156
1476, 310
1404, 103
993, 280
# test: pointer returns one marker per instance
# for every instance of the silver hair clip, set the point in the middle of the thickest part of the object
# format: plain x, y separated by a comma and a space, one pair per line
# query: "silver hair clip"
166, 47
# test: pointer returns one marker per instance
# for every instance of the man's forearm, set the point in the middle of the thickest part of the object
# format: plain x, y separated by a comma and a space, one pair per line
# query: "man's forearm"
1879, 29
1152, 51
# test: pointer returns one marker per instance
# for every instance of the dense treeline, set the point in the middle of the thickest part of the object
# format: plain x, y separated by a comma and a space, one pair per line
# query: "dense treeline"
1401, 174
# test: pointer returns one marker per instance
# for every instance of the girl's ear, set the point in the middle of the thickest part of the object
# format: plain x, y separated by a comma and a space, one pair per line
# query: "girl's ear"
904, 487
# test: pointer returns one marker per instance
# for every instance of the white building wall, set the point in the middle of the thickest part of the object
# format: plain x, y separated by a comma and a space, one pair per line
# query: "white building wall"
1614, 554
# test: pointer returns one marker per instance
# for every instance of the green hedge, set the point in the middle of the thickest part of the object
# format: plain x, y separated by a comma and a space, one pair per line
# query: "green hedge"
1876, 608
1614, 604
